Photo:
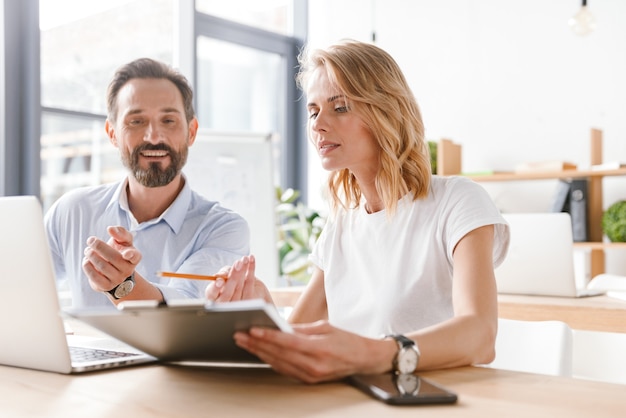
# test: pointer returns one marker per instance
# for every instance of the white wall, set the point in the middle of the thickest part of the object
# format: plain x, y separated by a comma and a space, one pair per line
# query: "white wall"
506, 79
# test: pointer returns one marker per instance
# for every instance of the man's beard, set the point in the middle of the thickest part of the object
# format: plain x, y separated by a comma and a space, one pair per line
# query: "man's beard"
155, 175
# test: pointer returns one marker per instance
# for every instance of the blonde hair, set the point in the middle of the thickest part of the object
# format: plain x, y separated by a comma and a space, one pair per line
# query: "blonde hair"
377, 91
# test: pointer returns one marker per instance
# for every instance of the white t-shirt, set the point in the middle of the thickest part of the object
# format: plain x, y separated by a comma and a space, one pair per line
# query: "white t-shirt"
394, 275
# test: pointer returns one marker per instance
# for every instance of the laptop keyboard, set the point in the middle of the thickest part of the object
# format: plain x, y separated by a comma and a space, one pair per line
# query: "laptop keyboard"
85, 354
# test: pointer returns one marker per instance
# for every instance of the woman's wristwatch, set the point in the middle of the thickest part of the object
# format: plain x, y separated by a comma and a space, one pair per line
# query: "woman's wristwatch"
408, 355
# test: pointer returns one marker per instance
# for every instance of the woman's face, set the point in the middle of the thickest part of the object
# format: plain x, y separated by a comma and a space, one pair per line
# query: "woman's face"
340, 136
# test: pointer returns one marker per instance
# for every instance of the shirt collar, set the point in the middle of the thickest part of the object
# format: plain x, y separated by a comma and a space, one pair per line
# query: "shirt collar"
174, 215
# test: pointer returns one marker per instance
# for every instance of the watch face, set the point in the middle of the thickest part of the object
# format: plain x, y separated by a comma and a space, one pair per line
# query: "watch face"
124, 288
407, 360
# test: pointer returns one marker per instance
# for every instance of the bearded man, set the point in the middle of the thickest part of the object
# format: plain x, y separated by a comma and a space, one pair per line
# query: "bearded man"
109, 242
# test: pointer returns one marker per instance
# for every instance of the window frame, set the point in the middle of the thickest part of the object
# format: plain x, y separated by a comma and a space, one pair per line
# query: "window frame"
21, 103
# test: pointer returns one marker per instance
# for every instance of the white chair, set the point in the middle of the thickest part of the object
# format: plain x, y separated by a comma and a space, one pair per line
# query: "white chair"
543, 347
600, 356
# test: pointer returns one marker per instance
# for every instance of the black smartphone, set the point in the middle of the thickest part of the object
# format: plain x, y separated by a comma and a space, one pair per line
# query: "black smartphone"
402, 389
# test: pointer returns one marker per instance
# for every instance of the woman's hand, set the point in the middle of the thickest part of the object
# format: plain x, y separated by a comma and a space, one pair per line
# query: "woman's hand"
238, 282
318, 352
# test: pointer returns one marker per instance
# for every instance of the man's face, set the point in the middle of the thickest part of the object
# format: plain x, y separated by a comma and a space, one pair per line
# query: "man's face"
151, 130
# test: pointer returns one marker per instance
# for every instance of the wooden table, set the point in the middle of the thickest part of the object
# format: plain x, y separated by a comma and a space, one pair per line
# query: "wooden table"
175, 391
596, 313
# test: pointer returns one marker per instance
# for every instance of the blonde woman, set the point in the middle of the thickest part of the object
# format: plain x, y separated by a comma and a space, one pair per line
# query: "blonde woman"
404, 269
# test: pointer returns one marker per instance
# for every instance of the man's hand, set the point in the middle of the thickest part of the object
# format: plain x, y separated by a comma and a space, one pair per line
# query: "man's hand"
107, 264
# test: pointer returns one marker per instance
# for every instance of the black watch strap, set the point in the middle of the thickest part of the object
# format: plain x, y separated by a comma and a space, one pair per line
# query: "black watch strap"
402, 340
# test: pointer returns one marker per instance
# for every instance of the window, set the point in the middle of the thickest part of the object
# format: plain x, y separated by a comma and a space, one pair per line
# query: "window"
239, 88
271, 15
59, 57
245, 80
82, 44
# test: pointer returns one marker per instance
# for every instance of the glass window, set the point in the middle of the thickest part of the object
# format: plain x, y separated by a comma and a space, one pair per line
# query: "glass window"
75, 152
81, 50
245, 78
82, 44
271, 15
239, 88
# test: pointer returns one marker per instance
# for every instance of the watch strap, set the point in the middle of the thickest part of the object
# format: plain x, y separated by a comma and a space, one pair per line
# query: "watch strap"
402, 341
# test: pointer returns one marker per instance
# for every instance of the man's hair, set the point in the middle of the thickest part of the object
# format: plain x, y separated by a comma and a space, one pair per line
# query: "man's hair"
148, 68
377, 91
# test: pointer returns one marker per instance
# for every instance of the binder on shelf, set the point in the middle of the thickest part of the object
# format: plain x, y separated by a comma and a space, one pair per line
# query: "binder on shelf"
560, 202
578, 209
571, 197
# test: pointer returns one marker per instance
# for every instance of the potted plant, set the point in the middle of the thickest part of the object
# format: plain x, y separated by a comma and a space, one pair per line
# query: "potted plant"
298, 229
614, 222
432, 149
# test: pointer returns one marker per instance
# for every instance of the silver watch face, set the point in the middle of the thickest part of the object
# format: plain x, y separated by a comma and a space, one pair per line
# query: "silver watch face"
124, 288
407, 360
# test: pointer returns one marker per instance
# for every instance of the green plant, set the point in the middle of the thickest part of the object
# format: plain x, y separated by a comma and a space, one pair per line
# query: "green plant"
614, 222
432, 148
298, 229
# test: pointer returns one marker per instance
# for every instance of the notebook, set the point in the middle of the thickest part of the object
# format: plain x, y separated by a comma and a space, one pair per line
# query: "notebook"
540, 260
31, 325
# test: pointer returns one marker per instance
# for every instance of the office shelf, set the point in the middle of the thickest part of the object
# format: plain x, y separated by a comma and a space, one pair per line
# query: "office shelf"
548, 175
449, 163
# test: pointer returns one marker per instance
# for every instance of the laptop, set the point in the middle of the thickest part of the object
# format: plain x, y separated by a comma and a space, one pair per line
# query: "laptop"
31, 325
540, 260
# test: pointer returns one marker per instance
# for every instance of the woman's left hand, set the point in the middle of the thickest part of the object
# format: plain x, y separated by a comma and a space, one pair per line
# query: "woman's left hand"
318, 352
237, 282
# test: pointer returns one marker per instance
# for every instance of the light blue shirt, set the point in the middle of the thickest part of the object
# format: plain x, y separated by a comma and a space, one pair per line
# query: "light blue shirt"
194, 235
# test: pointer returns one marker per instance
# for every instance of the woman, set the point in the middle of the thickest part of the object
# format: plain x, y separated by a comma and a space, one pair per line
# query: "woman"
404, 268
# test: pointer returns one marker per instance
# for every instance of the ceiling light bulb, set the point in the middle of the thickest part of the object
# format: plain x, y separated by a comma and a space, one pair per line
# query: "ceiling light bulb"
583, 22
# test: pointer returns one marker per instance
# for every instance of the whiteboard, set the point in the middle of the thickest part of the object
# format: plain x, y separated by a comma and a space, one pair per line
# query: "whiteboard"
237, 171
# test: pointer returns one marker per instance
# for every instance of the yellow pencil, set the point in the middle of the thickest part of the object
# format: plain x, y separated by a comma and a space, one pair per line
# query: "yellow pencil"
189, 276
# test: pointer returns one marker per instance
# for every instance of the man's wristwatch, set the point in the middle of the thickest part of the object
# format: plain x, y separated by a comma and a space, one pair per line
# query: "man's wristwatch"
408, 355
123, 289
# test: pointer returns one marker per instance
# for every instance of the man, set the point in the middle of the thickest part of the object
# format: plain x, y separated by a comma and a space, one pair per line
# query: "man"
109, 242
